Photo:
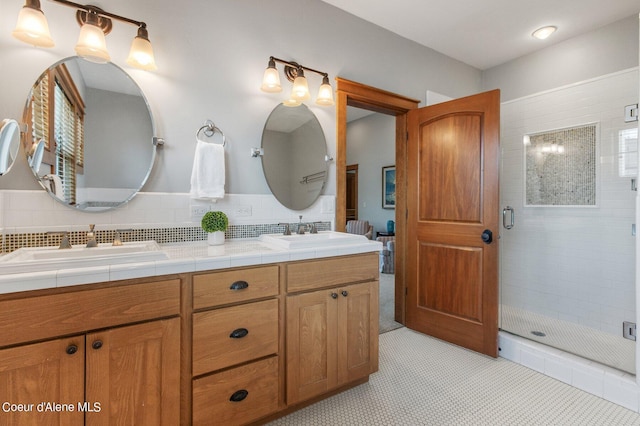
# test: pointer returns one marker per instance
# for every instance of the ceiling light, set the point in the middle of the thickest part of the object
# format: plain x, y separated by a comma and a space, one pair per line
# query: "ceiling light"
544, 32
95, 23
300, 89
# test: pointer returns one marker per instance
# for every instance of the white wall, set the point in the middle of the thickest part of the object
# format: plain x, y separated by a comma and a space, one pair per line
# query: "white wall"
371, 145
609, 49
211, 57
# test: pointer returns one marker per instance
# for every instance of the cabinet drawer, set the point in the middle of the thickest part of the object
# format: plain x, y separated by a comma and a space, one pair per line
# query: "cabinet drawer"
213, 395
217, 288
213, 346
309, 275
43, 317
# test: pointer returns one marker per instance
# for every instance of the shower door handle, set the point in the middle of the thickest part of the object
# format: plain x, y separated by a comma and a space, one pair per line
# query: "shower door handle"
506, 210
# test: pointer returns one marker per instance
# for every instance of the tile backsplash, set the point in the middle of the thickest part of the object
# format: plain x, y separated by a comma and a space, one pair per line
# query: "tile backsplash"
27, 216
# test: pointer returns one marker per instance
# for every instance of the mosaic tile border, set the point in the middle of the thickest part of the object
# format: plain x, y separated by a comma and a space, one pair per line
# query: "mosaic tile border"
11, 242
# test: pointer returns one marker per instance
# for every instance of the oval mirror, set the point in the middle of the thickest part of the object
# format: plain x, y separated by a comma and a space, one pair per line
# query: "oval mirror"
9, 144
294, 156
90, 134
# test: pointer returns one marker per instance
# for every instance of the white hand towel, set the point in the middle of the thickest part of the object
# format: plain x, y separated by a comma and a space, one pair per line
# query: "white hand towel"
207, 175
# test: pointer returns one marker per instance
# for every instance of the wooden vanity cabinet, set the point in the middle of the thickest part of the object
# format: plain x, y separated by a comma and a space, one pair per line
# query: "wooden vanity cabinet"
236, 345
331, 330
125, 372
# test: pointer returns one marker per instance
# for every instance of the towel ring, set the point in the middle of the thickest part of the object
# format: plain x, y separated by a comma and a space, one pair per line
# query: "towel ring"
209, 129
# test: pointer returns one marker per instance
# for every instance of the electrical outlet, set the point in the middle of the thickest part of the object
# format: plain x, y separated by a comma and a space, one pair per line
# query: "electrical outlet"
198, 210
243, 211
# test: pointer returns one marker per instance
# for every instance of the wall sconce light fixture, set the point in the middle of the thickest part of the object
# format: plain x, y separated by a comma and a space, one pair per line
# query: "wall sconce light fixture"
32, 28
300, 89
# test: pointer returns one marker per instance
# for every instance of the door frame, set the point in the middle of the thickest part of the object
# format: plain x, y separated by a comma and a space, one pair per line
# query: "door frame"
351, 93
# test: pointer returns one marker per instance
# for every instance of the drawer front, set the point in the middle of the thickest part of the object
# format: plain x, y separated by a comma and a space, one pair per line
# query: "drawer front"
309, 275
237, 396
255, 334
43, 317
221, 288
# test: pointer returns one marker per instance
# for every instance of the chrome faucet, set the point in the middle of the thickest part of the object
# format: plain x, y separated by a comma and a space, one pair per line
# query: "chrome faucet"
91, 237
301, 226
117, 240
64, 242
287, 231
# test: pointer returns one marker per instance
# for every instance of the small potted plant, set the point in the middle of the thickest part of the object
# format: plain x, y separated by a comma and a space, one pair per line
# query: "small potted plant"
214, 224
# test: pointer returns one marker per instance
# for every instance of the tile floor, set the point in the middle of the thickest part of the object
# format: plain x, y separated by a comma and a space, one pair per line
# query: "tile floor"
425, 381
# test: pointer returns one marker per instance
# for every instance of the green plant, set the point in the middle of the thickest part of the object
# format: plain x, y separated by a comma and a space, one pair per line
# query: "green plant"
214, 221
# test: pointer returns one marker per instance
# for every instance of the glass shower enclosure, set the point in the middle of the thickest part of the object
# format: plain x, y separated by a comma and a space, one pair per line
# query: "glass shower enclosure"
568, 188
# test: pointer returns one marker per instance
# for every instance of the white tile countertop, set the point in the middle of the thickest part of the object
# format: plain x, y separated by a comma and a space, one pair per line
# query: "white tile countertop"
182, 258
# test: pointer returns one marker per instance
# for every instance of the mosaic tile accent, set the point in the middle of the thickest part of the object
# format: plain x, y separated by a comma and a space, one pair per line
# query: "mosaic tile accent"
561, 167
11, 242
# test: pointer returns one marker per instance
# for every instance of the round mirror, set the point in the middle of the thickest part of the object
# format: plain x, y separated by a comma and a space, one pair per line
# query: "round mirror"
9, 144
294, 156
90, 136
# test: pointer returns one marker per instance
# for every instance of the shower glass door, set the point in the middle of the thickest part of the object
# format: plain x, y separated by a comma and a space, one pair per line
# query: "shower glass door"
568, 171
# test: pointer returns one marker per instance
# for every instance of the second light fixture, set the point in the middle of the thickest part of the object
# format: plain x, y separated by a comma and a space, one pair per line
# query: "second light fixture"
300, 89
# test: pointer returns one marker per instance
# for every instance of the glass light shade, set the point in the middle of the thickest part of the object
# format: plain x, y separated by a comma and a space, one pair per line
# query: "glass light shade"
300, 90
271, 80
325, 95
141, 54
32, 28
292, 103
92, 44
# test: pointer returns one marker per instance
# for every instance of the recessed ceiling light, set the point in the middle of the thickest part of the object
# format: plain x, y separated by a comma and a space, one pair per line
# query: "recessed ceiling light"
544, 32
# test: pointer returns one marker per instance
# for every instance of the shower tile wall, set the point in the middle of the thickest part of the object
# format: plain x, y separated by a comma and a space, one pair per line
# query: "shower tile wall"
572, 263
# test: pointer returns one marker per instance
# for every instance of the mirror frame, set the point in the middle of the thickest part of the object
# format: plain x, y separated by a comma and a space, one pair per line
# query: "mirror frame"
152, 140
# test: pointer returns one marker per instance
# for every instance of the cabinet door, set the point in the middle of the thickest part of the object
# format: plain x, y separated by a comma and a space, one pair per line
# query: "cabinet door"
38, 377
357, 331
133, 372
311, 344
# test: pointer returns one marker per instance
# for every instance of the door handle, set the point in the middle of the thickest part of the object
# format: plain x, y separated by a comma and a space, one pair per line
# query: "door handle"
506, 210
487, 236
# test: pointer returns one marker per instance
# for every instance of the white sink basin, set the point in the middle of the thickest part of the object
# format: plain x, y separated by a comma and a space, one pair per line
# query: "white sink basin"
307, 240
50, 258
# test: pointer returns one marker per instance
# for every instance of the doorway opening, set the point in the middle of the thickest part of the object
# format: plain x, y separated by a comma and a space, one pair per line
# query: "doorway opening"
352, 94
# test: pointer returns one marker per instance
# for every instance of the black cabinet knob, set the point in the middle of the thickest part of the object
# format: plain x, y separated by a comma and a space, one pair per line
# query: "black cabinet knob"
345, 293
239, 395
487, 236
239, 333
239, 285
334, 295
72, 349
97, 344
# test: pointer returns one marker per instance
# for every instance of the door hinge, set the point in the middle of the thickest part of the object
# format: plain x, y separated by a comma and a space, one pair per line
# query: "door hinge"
406, 291
629, 330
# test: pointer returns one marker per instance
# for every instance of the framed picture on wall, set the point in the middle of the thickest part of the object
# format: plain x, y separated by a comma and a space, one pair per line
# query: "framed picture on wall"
389, 187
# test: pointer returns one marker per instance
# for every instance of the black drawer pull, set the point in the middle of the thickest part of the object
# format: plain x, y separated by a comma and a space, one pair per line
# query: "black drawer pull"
72, 349
239, 395
239, 333
239, 285
97, 344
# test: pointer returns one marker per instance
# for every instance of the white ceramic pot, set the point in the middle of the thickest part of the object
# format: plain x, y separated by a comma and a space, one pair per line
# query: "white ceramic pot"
215, 238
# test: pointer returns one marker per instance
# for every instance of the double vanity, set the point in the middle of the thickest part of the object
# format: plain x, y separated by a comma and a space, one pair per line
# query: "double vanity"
233, 334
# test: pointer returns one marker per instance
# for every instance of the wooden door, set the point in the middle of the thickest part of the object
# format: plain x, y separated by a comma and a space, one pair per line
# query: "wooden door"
452, 202
134, 373
38, 377
358, 325
311, 344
